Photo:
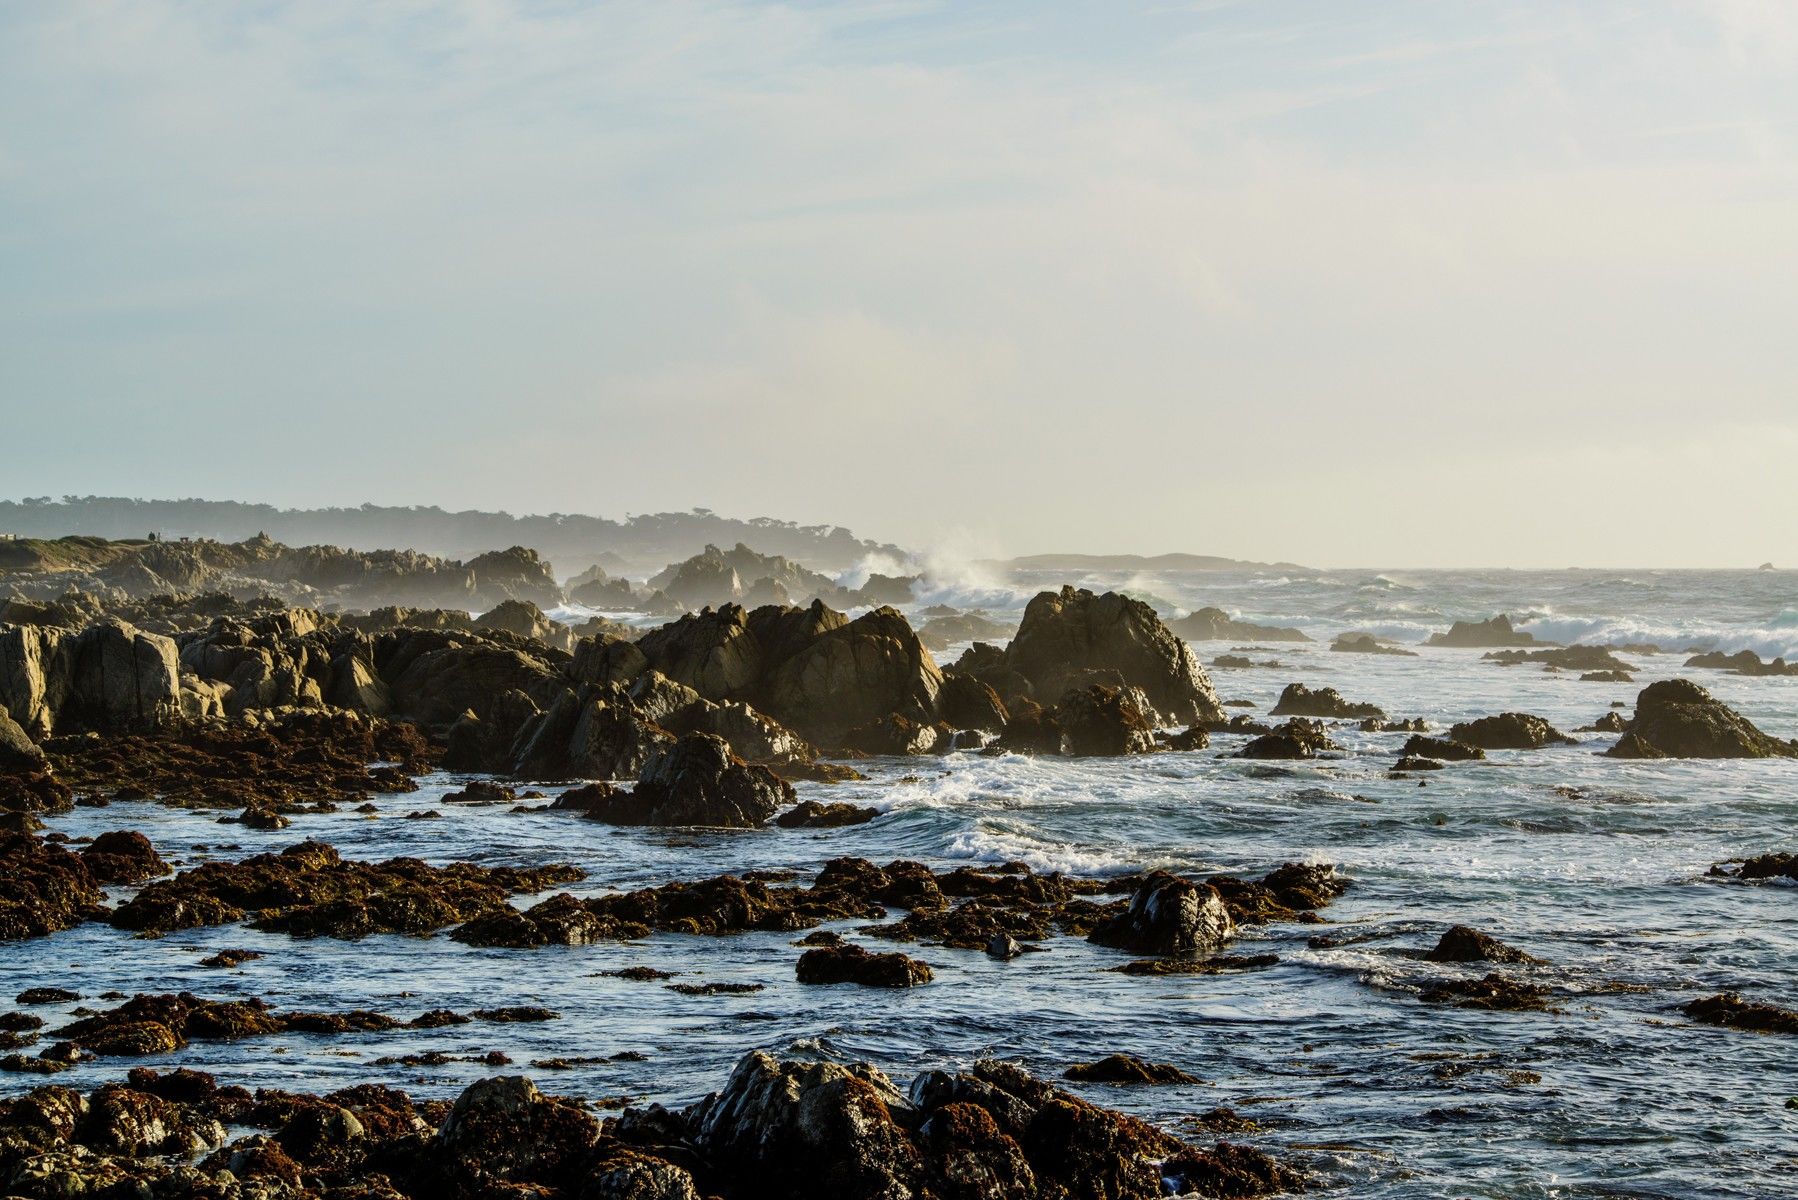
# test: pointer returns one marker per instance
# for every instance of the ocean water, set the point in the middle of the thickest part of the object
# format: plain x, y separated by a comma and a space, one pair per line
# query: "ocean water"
1596, 865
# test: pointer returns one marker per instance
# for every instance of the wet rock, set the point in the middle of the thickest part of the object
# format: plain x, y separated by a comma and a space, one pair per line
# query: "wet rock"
309, 889
1676, 718
968, 1157
849, 963
46, 995
698, 781
1493, 991
1731, 1011
1462, 944
43, 888
893, 734
295, 759
805, 1130
1607, 677
1126, 1068
1761, 866
810, 814
1495, 632
230, 958
967, 703
1412, 762
561, 920
1003, 946
1563, 658
1744, 662
262, 818
1298, 738
1101, 720
1366, 643
1068, 635
504, 1137
1447, 749
1508, 731
1228, 1169
1169, 916
1611, 722
1297, 700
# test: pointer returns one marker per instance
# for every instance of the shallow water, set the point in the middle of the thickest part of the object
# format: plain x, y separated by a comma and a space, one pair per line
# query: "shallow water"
1330, 1049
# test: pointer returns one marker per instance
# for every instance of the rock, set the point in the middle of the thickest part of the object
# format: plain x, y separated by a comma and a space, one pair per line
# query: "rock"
1496, 632
967, 703
893, 734
1676, 718
849, 963
1297, 700
525, 619
1414, 762
1461, 944
1508, 731
1611, 722
122, 856
698, 781
1745, 662
1366, 643
1067, 636
43, 888
1168, 916
18, 753
713, 652
969, 1158
1493, 991
1564, 658
810, 1130
1126, 1068
1730, 1010
852, 674
503, 1136
1443, 748
1003, 946
1607, 677
810, 814
1300, 737
1214, 624
1103, 721
261, 818
514, 574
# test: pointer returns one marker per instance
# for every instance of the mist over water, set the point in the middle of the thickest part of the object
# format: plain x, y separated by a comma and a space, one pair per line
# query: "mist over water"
1597, 866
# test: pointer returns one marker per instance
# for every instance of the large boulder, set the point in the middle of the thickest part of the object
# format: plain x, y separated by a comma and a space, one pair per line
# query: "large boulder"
506, 1138
1168, 915
1067, 636
32, 676
810, 1129
121, 679
853, 674
1676, 718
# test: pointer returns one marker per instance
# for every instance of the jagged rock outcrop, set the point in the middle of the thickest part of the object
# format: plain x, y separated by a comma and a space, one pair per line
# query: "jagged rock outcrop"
109, 677
1071, 638
525, 619
849, 675
514, 574
1297, 700
1676, 718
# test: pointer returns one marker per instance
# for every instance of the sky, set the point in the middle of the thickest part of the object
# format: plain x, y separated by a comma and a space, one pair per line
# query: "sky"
1408, 282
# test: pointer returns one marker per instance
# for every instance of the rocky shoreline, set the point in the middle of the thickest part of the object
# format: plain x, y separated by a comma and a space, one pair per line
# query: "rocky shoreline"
271, 716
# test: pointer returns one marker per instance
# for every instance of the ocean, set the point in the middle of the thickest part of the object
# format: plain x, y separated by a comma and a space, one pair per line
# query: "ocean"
1597, 866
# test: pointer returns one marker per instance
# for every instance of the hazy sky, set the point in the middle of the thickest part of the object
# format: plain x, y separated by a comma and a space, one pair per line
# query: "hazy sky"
1400, 282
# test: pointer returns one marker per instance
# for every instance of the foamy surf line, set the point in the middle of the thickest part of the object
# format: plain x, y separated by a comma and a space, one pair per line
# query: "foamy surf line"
1779, 640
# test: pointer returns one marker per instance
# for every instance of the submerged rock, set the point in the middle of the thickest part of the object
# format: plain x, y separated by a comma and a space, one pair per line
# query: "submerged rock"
1493, 991
697, 781
1447, 749
1367, 643
1730, 1010
1126, 1068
